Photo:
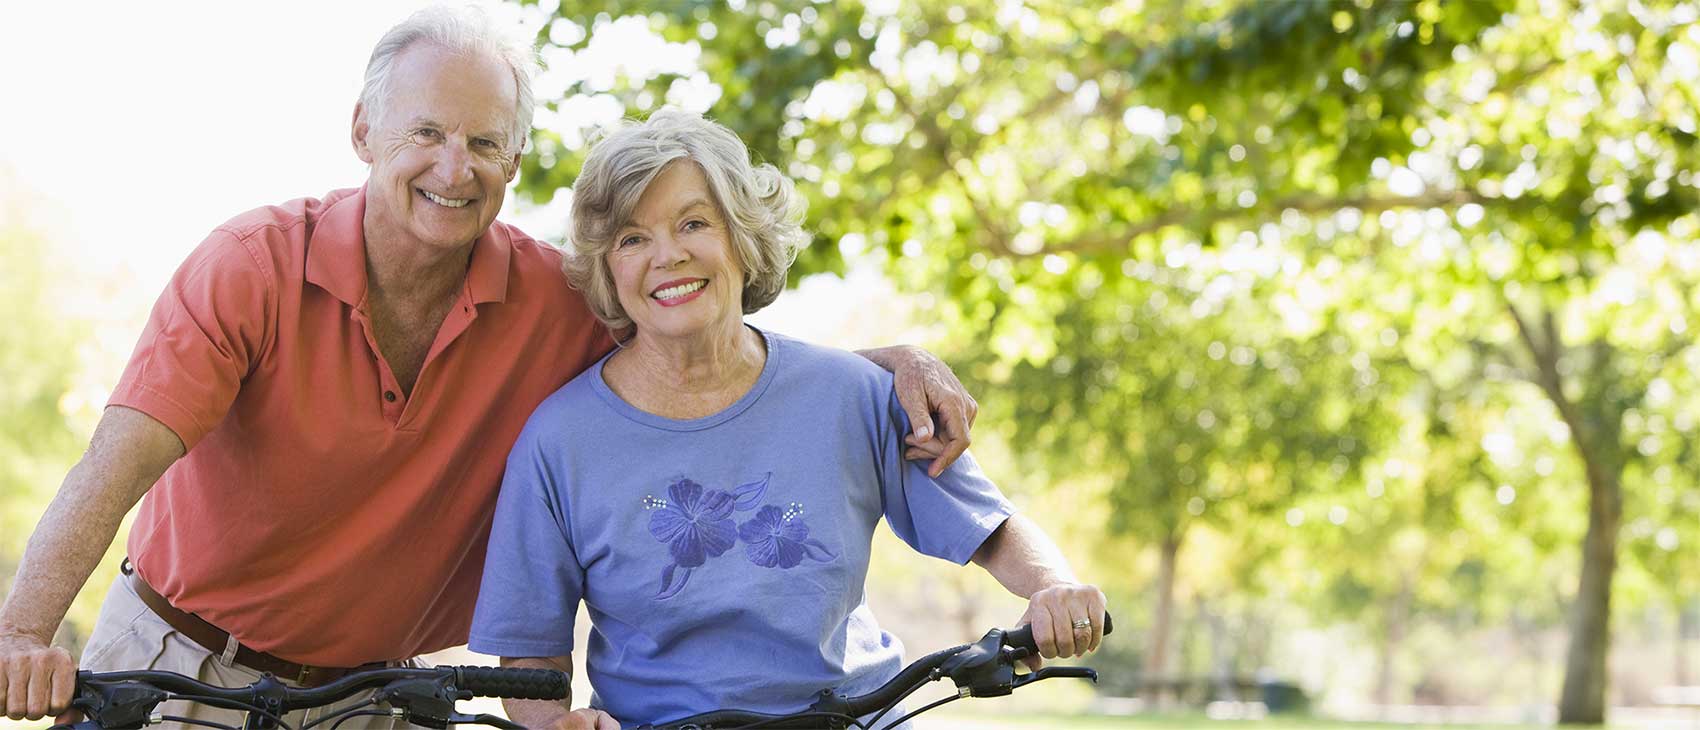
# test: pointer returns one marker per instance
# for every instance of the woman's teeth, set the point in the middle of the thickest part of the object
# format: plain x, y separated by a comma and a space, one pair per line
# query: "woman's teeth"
674, 292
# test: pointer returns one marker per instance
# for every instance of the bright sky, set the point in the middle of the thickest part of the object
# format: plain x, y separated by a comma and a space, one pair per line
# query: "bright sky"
142, 127
149, 126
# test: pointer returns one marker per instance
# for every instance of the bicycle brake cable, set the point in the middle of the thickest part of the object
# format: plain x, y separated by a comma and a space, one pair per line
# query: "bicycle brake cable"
343, 717
339, 713
900, 698
192, 721
906, 718
234, 705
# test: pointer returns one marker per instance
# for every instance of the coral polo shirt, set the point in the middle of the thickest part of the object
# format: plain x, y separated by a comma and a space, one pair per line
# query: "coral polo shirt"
319, 514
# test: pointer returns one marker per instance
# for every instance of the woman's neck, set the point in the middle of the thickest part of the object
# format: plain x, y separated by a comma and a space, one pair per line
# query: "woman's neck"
685, 378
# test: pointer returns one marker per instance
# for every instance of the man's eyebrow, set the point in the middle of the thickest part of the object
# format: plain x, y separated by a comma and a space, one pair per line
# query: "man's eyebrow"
434, 124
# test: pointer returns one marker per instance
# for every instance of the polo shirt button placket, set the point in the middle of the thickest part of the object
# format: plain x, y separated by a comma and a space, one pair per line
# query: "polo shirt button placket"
389, 396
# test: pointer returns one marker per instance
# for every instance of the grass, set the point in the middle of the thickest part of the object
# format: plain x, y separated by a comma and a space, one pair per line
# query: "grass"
972, 721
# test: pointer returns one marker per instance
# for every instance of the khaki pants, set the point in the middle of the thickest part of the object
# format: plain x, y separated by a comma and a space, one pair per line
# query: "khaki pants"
130, 636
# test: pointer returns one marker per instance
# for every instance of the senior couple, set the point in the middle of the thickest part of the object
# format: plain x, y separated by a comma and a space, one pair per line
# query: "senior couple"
331, 394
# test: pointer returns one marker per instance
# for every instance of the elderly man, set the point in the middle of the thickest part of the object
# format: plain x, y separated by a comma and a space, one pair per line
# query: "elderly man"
320, 406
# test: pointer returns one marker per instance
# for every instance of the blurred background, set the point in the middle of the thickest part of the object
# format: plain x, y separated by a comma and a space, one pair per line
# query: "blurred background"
1346, 344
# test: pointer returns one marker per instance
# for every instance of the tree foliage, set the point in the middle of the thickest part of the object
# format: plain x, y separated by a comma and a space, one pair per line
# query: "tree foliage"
1426, 265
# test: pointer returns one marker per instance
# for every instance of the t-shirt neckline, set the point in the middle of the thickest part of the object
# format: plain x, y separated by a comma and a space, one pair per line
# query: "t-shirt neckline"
599, 384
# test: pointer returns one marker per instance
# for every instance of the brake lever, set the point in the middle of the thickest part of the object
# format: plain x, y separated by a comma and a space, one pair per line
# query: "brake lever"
1022, 680
426, 702
457, 718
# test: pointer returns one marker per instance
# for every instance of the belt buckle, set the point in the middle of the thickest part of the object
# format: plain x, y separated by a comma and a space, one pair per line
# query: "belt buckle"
301, 676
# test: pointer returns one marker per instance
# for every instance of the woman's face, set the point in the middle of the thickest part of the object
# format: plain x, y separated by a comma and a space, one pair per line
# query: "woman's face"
673, 266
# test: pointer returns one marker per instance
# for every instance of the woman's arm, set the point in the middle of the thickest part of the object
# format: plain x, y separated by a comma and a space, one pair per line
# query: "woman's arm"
1025, 560
547, 715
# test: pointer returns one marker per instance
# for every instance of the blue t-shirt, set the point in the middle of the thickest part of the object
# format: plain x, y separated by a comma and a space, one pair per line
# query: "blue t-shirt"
723, 558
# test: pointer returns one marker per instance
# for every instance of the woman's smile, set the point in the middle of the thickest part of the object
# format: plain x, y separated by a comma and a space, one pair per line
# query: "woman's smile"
678, 291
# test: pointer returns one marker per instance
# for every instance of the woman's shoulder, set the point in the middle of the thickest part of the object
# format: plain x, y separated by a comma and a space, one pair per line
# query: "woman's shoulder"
572, 408
811, 360
822, 375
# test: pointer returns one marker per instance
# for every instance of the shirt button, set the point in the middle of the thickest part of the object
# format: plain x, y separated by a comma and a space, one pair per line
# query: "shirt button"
389, 395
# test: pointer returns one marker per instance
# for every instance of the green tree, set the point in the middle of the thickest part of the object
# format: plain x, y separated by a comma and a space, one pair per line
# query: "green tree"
38, 354
1531, 165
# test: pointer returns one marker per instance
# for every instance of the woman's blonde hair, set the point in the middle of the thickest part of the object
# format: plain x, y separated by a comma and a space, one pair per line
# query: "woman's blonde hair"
763, 212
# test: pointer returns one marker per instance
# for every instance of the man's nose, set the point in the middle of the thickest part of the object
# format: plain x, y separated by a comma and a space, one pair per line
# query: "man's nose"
454, 162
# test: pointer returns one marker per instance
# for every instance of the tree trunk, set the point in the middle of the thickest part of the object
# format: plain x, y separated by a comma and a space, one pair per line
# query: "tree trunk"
1392, 636
1583, 699
1157, 658
1685, 629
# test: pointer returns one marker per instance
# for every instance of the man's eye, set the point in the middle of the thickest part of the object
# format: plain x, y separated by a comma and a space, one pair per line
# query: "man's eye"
427, 134
484, 143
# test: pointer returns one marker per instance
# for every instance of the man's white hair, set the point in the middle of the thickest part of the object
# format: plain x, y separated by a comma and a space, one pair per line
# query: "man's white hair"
464, 29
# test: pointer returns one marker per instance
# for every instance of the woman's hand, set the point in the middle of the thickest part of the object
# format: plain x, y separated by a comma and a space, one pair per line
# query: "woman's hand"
587, 719
1067, 620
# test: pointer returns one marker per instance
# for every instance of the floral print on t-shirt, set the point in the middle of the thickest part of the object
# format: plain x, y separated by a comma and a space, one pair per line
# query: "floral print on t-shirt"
696, 524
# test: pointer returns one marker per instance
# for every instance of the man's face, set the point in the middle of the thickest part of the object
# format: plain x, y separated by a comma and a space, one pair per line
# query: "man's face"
440, 153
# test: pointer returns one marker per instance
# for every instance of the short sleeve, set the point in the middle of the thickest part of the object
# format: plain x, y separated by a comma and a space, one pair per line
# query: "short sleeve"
532, 578
947, 517
205, 334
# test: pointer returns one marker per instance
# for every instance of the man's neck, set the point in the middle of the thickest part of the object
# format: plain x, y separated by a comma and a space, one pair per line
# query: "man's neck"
402, 269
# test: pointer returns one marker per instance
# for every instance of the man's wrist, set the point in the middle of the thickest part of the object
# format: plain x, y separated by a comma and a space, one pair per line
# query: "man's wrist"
890, 356
10, 634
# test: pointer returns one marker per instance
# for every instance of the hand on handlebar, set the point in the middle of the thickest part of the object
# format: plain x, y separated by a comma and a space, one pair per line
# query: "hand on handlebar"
36, 679
1053, 613
587, 719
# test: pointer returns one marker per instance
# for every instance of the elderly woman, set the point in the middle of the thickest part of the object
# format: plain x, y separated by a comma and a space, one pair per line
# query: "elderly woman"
710, 490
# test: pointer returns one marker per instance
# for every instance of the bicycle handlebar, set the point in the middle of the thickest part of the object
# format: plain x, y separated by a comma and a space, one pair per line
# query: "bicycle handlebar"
118, 700
982, 669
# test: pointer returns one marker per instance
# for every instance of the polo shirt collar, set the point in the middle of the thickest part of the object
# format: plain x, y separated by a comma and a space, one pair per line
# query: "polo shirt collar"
336, 255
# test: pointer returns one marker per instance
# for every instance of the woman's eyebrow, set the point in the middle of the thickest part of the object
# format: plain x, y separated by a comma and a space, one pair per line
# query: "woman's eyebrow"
695, 203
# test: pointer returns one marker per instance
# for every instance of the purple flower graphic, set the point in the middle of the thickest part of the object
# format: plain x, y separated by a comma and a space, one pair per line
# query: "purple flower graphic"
776, 538
696, 524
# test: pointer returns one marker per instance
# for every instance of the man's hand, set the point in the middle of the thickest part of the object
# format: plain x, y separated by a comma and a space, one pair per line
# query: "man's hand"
1067, 620
925, 386
36, 679
587, 719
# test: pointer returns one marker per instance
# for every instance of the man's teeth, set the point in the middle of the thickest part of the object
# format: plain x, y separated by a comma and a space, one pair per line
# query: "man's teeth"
445, 202
680, 290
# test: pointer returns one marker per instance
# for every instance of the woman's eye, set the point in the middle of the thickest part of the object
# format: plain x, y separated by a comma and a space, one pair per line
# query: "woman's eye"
629, 241
695, 225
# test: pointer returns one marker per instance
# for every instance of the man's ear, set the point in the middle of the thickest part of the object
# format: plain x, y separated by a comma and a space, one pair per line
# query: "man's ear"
360, 129
513, 169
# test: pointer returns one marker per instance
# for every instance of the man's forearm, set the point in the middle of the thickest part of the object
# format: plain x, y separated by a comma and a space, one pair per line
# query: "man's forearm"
68, 544
1023, 558
128, 453
888, 357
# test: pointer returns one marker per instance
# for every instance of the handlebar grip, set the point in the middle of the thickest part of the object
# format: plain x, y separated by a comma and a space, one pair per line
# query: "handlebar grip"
513, 683
1022, 638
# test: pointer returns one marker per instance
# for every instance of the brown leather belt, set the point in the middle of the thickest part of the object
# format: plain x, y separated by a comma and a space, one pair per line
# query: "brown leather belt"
222, 644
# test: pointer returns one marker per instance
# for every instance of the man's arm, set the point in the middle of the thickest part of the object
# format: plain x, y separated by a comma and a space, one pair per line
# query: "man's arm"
548, 715
1025, 560
925, 385
128, 453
